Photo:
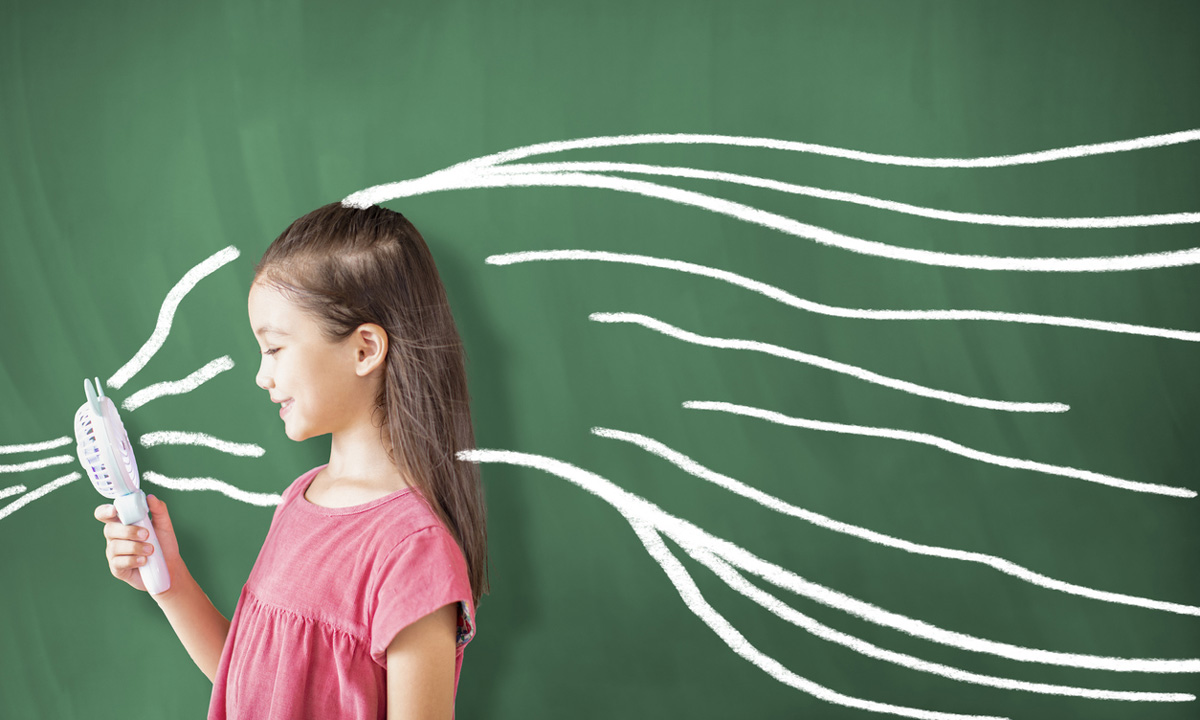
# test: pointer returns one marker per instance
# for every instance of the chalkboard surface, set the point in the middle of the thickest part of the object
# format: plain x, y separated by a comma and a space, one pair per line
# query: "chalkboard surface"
741, 456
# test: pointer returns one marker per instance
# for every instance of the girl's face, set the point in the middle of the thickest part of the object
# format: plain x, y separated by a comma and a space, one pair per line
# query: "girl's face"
314, 380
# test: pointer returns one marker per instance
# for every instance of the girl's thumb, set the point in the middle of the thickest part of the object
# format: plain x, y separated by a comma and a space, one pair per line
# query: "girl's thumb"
161, 519
158, 511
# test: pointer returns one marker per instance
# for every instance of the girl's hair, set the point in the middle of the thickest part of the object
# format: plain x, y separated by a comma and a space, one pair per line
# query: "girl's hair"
345, 266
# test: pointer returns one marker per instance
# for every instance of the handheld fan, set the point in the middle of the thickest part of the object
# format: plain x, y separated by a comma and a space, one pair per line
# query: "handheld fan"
103, 448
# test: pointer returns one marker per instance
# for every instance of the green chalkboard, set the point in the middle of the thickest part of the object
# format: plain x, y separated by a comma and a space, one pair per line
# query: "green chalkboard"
747, 476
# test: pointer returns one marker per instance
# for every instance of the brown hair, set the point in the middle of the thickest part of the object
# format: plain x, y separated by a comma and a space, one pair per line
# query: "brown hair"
346, 266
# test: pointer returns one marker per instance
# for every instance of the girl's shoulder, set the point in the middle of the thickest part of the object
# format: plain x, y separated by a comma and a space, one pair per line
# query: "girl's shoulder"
395, 515
299, 485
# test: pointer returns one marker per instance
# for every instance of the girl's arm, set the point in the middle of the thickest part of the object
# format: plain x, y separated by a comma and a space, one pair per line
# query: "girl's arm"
199, 625
420, 668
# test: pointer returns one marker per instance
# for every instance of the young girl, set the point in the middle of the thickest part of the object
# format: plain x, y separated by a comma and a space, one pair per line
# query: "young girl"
364, 593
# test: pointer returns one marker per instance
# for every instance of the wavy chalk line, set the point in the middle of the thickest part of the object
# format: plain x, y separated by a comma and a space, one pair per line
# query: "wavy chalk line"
694, 600
10, 491
1114, 221
459, 181
636, 508
231, 491
827, 364
179, 387
833, 311
35, 447
38, 464
1007, 567
169, 437
735, 580
46, 489
944, 444
1028, 158
166, 314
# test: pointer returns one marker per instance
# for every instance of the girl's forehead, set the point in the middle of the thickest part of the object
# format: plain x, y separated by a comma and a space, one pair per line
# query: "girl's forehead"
270, 311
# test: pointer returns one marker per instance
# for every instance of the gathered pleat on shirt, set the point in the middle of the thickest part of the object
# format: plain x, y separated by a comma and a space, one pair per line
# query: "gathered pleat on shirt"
302, 643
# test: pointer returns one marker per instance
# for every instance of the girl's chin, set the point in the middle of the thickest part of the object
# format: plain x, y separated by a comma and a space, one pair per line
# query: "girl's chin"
298, 433
293, 430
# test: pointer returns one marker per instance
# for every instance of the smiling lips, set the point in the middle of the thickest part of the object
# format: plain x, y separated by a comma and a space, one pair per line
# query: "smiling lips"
287, 405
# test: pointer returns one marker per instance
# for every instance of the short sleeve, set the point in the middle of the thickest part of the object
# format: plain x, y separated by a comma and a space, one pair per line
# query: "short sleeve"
424, 572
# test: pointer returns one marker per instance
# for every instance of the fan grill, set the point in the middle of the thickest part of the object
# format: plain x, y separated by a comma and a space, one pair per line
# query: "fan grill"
92, 456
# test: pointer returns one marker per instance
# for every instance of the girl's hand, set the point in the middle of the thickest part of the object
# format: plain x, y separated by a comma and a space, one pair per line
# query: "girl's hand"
126, 551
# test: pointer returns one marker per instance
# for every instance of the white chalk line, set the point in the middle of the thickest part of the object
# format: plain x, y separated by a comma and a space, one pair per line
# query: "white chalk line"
44, 490
206, 483
10, 491
824, 236
171, 437
826, 364
179, 387
1027, 158
774, 221
735, 580
39, 464
944, 444
35, 447
781, 577
636, 508
690, 466
787, 298
694, 600
1112, 221
166, 314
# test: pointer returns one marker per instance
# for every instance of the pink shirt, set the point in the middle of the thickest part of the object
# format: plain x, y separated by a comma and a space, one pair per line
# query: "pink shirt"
327, 595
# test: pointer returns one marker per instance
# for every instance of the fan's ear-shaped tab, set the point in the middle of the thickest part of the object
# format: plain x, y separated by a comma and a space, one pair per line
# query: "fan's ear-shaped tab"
91, 394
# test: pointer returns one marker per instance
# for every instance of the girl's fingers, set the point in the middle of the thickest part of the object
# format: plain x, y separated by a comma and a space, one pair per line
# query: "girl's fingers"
117, 531
119, 548
126, 562
123, 547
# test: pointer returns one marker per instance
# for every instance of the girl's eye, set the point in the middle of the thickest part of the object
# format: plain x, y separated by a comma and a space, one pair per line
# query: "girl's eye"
272, 351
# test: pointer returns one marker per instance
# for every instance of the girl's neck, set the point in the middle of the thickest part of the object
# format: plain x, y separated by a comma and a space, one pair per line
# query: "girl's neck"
330, 492
358, 467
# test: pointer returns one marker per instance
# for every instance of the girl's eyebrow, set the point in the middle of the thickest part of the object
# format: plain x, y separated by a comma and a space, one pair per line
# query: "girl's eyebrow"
269, 329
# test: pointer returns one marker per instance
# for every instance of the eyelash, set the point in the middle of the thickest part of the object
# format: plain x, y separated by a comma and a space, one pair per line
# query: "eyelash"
272, 351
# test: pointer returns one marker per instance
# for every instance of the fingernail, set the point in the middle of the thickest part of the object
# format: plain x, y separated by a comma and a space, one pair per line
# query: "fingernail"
141, 561
142, 534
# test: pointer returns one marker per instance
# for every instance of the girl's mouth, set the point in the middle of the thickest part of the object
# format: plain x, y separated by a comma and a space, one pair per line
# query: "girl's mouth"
283, 409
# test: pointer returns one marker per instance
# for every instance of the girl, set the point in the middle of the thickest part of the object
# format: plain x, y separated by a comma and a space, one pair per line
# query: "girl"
364, 593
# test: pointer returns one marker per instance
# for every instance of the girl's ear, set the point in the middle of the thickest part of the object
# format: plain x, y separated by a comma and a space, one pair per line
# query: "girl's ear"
370, 348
